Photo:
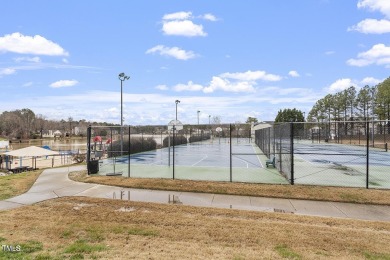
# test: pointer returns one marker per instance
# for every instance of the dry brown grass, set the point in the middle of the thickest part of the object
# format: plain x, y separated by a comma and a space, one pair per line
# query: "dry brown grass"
112, 229
322, 193
16, 184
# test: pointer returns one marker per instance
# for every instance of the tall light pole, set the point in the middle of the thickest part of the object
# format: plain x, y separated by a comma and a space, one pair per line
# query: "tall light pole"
177, 102
122, 77
209, 119
174, 128
198, 122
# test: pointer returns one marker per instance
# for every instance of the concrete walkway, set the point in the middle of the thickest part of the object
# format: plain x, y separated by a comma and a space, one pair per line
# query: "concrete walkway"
54, 183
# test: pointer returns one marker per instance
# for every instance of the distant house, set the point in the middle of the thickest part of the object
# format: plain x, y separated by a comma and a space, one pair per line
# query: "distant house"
47, 134
57, 133
4, 144
80, 130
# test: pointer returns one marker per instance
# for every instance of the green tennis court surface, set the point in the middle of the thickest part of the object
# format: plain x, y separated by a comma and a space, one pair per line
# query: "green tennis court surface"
207, 160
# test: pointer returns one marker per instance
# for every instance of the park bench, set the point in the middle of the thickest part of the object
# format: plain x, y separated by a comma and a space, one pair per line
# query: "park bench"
270, 161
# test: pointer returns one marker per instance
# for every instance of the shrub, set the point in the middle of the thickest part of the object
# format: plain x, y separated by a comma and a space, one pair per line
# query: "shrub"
179, 139
137, 145
198, 138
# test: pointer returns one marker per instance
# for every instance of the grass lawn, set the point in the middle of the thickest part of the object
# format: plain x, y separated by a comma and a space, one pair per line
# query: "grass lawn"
16, 184
89, 228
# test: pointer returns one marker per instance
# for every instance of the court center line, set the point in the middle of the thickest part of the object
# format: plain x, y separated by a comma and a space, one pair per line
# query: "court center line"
200, 160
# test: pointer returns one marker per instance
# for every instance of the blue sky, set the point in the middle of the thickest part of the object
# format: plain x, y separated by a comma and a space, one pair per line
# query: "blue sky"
231, 59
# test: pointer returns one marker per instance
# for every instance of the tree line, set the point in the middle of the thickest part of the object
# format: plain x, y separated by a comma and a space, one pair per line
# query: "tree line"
351, 105
25, 124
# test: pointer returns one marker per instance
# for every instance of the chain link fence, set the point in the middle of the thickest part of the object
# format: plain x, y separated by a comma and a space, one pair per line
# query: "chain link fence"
342, 153
348, 153
223, 152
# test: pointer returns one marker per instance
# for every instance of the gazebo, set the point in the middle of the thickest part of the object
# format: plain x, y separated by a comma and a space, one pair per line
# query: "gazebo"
31, 151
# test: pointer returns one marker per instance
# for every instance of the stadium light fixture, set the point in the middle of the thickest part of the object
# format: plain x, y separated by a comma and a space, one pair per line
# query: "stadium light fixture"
122, 77
177, 102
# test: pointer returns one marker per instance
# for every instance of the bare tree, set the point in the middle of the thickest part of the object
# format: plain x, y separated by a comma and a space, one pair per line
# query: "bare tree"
216, 120
40, 123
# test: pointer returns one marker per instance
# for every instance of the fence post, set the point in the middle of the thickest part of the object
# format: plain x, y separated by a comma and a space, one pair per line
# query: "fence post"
269, 142
292, 151
128, 170
384, 134
89, 130
230, 144
367, 153
373, 133
280, 146
173, 146
273, 146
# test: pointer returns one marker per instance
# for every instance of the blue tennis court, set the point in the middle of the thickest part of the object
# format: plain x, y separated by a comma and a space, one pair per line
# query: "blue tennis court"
200, 154
341, 165
341, 154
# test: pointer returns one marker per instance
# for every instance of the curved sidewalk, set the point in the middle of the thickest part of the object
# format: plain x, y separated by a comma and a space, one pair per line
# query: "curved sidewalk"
54, 183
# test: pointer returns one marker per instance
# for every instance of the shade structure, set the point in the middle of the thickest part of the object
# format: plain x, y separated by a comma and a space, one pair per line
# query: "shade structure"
31, 151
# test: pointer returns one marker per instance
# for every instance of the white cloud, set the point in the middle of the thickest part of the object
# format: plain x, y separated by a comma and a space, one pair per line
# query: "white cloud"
344, 83
37, 44
181, 24
161, 87
7, 71
358, 62
65, 60
293, 74
178, 16
64, 83
230, 82
371, 81
220, 83
372, 26
209, 17
382, 6
160, 107
379, 54
252, 76
30, 59
340, 85
190, 86
174, 52
329, 52
183, 28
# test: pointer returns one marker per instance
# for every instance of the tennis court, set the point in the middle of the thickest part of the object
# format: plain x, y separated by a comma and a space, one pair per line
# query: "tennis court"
318, 154
206, 160
340, 165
